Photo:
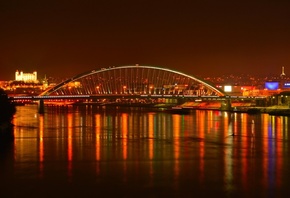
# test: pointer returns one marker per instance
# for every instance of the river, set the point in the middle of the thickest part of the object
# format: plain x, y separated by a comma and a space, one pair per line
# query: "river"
132, 152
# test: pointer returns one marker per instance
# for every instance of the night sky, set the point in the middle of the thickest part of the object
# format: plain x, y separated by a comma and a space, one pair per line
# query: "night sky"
198, 37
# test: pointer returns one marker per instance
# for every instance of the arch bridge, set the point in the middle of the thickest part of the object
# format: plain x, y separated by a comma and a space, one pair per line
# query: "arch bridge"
130, 81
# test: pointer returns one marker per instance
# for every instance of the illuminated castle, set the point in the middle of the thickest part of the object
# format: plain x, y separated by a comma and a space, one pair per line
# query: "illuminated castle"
26, 77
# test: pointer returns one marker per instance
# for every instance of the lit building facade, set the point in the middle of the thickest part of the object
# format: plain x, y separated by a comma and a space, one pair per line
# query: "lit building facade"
26, 77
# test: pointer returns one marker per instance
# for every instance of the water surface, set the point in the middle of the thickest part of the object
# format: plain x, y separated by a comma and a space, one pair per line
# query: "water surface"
83, 151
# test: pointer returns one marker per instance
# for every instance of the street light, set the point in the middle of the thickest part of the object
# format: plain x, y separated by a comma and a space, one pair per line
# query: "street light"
150, 88
124, 88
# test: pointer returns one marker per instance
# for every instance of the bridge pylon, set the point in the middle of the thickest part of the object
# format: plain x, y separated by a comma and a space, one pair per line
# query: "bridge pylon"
41, 106
226, 105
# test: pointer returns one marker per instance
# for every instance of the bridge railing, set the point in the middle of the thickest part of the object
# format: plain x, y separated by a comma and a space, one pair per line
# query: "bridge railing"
72, 97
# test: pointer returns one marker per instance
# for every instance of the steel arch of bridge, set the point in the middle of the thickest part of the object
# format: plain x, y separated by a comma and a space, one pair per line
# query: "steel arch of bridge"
134, 80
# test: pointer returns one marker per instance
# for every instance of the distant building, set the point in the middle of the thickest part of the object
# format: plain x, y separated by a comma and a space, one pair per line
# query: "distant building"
26, 77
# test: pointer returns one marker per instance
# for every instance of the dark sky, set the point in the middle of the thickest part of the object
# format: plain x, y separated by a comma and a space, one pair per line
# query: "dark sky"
198, 37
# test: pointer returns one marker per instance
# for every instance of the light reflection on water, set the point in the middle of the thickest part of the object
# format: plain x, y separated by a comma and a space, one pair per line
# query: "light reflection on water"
131, 152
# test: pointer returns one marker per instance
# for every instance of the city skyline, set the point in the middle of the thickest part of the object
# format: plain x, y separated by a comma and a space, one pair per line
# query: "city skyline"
65, 38
281, 75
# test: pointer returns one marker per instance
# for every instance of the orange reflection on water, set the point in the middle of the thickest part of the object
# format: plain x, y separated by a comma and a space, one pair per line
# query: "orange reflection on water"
210, 120
151, 143
244, 126
279, 151
228, 139
200, 122
98, 146
176, 134
125, 134
286, 127
234, 120
176, 143
245, 148
125, 126
98, 130
266, 126
70, 125
226, 124
69, 144
151, 135
41, 146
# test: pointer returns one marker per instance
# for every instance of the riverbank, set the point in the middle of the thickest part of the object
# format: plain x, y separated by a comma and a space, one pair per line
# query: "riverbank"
275, 110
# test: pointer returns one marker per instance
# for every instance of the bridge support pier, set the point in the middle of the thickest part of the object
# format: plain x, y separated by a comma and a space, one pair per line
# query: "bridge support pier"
180, 101
226, 105
41, 106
